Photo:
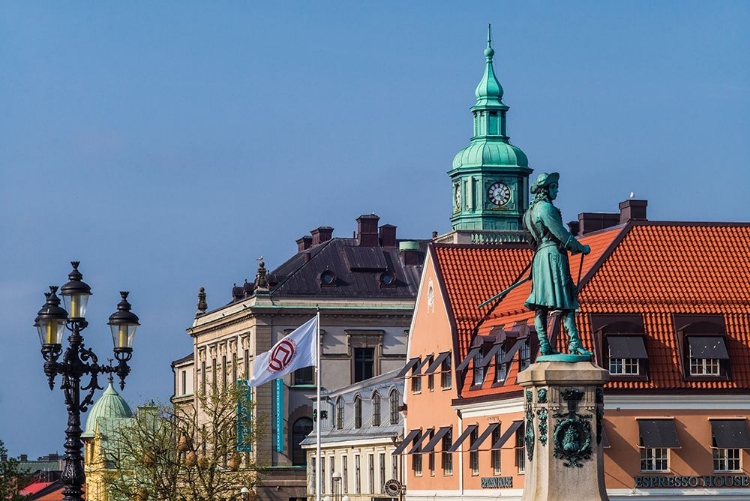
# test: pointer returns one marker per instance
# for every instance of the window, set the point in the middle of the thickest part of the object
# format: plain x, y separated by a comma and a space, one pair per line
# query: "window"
474, 455
364, 362
520, 449
627, 354
213, 372
332, 461
183, 376
323, 475
501, 369
224, 371
357, 412
416, 464
247, 364
376, 409
371, 473
416, 379
304, 376
394, 398
726, 460
495, 453
447, 457
365, 347
314, 478
445, 373
655, 459
357, 476
524, 355
203, 376
702, 343
700, 366
344, 475
340, 413
431, 376
381, 459
431, 456
394, 466
234, 368
301, 428
478, 377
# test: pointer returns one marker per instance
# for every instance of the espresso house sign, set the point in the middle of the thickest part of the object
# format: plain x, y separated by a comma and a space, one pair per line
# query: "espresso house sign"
658, 482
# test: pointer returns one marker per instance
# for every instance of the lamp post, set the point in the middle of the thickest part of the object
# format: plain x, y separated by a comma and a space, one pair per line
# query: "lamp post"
336, 477
78, 361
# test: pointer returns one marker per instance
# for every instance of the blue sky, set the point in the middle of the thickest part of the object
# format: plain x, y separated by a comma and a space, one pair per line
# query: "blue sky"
168, 145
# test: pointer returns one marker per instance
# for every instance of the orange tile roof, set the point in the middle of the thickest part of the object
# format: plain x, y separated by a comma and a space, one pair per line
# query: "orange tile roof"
650, 268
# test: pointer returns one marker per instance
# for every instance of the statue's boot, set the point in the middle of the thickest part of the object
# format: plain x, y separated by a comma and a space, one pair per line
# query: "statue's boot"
545, 348
575, 348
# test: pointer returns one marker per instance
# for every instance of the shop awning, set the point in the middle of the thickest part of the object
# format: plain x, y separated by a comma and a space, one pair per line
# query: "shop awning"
730, 434
469, 429
408, 367
469, 357
516, 346
627, 347
417, 447
491, 354
708, 347
515, 425
658, 433
407, 440
435, 365
436, 439
481, 438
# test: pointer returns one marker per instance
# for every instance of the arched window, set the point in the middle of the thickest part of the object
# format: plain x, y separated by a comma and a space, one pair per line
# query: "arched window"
394, 397
357, 412
376, 409
340, 413
301, 428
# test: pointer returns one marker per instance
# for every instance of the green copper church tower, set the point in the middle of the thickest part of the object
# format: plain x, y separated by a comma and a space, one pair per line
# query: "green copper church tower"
490, 176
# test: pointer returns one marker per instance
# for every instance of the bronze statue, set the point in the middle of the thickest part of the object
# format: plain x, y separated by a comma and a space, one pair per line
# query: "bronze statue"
552, 286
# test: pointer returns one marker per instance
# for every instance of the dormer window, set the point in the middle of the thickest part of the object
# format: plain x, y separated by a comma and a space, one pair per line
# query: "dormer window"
327, 278
703, 346
387, 279
620, 345
340, 413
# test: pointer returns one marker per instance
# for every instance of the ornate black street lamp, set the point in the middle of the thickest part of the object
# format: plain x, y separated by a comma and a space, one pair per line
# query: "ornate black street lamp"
78, 361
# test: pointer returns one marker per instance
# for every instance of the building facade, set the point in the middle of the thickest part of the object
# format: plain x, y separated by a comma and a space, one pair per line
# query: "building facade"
364, 287
360, 427
665, 308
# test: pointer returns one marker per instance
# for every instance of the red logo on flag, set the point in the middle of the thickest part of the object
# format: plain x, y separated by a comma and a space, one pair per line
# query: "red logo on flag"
282, 355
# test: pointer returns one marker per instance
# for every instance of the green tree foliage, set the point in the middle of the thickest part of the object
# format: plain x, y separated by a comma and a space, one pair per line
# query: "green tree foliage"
10, 477
184, 452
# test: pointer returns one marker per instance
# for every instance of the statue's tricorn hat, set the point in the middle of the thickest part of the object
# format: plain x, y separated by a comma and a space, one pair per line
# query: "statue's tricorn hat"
543, 180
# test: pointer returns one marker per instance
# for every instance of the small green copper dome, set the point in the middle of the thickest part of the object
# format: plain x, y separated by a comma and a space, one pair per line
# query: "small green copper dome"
109, 407
490, 153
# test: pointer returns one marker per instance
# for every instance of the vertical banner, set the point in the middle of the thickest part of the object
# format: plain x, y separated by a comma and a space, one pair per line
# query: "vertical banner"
244, 416
278, 387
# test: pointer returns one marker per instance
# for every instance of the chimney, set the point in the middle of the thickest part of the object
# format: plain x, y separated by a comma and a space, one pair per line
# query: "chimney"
321, 234
23, 458
388, 235
633, 210
367, 230
410, 253
304, 243
593, 221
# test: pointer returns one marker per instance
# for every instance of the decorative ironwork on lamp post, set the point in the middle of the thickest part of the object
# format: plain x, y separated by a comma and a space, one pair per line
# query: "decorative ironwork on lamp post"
78, 361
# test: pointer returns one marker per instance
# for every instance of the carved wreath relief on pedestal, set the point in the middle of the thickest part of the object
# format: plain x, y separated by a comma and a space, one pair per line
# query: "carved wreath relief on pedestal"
541, 414
529, 435
572, 435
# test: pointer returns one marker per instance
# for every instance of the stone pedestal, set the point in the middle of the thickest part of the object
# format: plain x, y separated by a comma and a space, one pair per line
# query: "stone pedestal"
564, 405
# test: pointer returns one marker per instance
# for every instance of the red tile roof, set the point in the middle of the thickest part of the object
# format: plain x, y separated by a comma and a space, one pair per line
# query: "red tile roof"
648, 268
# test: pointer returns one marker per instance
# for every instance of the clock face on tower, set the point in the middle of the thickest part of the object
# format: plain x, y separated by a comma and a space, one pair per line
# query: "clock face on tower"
457, 197
499, 194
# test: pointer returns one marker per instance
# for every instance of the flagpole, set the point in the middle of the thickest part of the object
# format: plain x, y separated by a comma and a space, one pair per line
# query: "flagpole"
318, 468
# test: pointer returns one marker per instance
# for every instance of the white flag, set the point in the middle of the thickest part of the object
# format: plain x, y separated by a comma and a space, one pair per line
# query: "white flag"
295, 351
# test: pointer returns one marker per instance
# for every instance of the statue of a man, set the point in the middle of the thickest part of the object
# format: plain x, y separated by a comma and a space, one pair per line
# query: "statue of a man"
552, 286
